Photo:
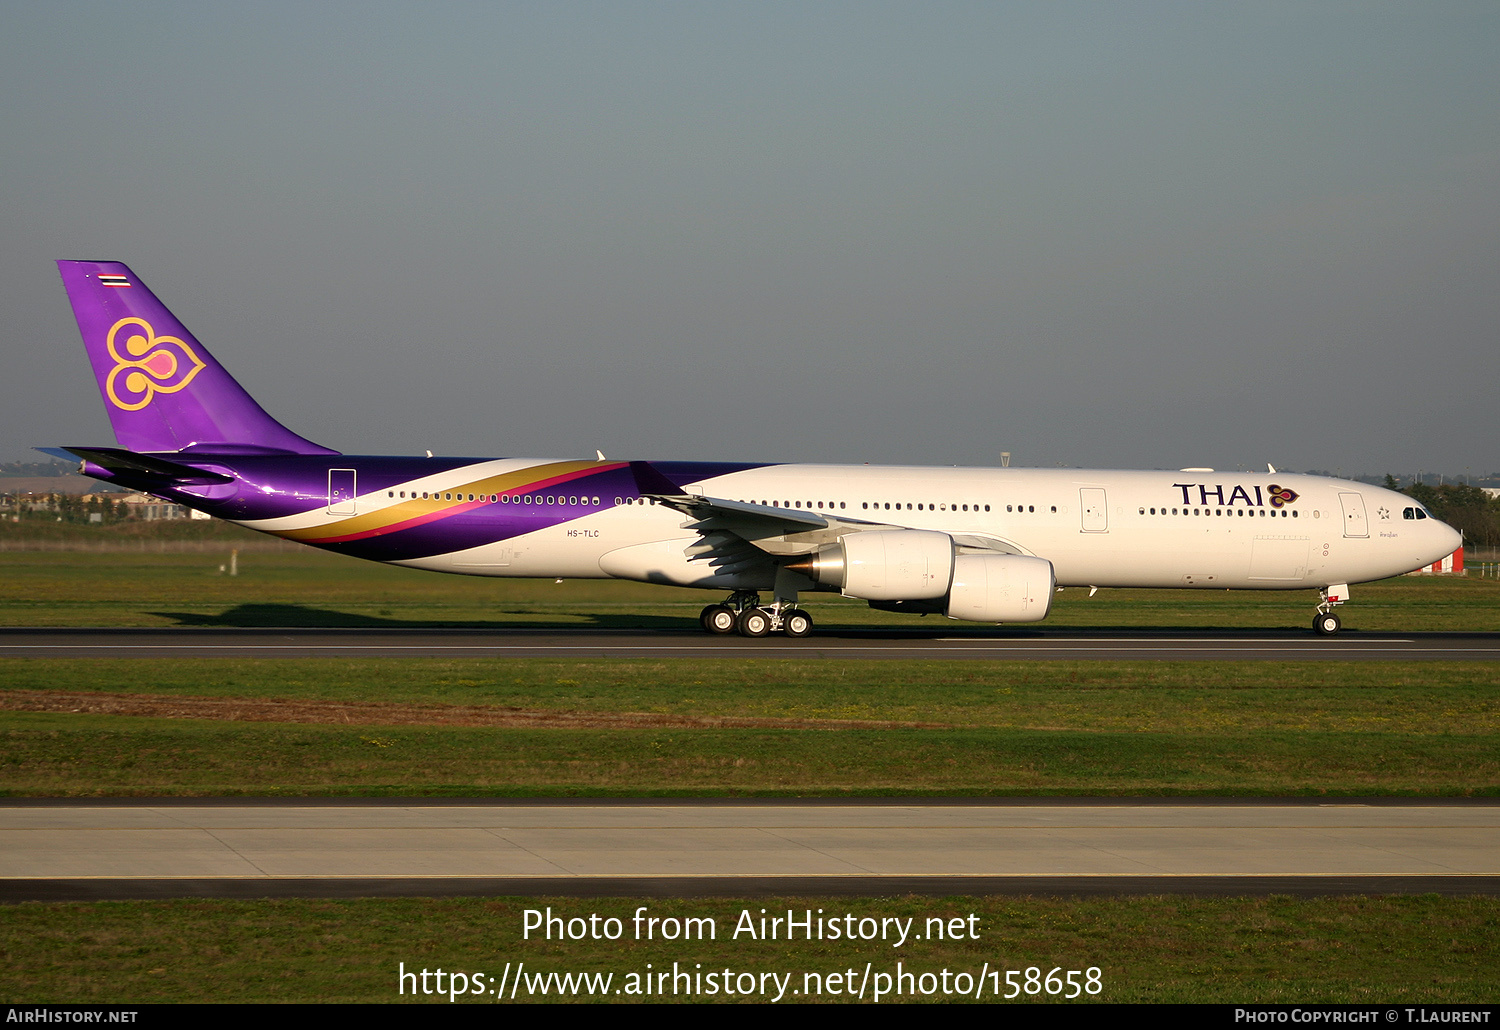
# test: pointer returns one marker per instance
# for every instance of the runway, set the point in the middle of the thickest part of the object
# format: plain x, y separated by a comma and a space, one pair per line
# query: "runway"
260, 848
883, 643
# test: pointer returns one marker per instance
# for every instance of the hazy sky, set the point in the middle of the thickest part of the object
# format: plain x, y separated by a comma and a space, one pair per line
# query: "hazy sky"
1120, 235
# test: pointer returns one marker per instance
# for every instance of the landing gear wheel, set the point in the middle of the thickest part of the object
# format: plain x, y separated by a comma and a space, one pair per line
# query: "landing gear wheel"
753, 623
797, 623
718, 618
1326, 624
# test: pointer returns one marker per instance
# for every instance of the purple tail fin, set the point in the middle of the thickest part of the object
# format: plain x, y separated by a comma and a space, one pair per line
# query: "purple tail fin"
162, 389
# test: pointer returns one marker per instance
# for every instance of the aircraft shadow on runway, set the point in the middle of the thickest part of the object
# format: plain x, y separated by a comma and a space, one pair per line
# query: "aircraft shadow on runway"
295, 616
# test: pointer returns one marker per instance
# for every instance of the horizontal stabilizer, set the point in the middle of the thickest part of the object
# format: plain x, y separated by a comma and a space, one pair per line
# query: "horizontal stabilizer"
140, 466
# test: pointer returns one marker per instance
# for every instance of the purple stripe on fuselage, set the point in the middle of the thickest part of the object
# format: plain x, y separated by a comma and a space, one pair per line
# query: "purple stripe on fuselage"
501, 500
276, 486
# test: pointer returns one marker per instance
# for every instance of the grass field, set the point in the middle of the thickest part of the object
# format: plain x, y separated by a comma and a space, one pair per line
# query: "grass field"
770, 727
716, 728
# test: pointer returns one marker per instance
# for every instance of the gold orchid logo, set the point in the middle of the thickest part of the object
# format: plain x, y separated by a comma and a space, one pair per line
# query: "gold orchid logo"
147, 365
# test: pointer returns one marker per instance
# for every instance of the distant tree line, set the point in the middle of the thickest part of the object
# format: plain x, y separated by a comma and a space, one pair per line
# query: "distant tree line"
67, 507
1467, 509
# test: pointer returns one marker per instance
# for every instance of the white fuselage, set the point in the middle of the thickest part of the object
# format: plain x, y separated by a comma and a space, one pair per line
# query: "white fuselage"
1097, 528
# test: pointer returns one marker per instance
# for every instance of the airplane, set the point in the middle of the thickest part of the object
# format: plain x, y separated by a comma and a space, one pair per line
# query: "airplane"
987, 545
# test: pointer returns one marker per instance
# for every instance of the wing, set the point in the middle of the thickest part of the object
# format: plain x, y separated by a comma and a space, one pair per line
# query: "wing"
736, 536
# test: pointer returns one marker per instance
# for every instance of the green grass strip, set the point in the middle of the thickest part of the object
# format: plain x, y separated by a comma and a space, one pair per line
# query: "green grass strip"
86, 755
993, 728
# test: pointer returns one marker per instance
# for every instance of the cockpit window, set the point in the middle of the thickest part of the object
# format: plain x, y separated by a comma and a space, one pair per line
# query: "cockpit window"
1414, 513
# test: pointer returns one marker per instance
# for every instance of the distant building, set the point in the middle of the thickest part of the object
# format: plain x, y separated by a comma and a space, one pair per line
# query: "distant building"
153, 509
1453, 565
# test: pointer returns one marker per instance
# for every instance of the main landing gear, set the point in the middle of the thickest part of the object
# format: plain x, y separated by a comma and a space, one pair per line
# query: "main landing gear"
743, 613
1326, 623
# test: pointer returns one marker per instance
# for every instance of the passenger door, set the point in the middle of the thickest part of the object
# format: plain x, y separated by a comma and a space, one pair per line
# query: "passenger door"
341, 491
1354, 515
1092, 502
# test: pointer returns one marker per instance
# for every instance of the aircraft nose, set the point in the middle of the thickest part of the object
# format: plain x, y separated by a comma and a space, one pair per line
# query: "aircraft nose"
1450, 540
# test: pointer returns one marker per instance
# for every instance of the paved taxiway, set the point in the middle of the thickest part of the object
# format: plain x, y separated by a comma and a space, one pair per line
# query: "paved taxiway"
943, 643
91, 849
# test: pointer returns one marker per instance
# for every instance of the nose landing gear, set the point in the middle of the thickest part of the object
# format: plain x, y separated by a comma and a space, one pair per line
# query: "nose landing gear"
1326, 623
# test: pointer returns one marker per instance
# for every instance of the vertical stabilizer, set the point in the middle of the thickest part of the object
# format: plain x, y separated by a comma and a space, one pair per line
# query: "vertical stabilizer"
163, 391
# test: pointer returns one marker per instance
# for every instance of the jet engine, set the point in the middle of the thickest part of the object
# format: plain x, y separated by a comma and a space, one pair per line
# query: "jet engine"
884, 565
915, 565
1001, 588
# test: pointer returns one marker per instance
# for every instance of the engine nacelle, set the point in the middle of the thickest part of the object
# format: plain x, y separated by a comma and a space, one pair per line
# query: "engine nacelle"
1001, 588
885, 565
